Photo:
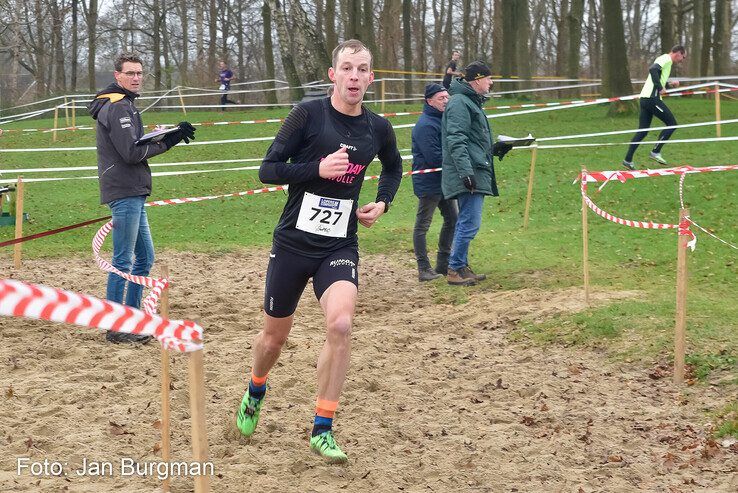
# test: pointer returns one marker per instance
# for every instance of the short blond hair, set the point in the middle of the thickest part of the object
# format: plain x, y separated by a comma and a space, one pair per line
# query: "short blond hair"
350, 44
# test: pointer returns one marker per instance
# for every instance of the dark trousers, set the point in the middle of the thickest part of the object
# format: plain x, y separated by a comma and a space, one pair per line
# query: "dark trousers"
651, 107
426, 207
224, 100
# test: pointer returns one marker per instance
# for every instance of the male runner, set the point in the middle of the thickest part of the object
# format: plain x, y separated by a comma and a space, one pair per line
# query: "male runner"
651, 104
329, 143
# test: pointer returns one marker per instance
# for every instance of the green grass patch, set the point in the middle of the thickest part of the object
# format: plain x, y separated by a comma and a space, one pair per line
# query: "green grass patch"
728, 421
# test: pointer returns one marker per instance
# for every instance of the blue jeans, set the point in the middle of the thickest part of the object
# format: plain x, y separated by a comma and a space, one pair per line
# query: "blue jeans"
131, 238
467, 225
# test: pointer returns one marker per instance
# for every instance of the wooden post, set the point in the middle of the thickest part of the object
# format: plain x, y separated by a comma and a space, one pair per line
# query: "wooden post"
56, 123
717, 110
181, 100
381, 95
18, 222
165, 383
681, 302
66, 112
74, 118
528, 198
197, 413
585, 240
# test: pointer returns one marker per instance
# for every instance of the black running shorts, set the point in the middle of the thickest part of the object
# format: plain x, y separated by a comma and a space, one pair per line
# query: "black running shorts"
289, 272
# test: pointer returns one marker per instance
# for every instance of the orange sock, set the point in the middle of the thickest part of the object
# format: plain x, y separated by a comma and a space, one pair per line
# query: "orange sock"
325, 408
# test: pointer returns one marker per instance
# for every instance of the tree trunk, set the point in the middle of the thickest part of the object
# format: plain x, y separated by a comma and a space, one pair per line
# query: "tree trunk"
666, 25
407, 48
695, 56
165, 52
240, 42
576, 21
594, 40
509, 39
156, 45
497, 30
184, 67
706, 37
41, 61
75, 45
285, 50
721, 43
616, 77
309, 44
369, 38
450, 30
562, 43
91, 18
266, 17
200, 68
353, 28
522, 17
467, 29
331, 38
213, 37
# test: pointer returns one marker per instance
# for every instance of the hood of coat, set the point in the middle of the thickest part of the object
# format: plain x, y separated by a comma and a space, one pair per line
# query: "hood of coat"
112, 93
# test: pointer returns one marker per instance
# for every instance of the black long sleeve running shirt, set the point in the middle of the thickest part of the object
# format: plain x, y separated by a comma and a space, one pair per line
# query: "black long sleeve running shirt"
310, 132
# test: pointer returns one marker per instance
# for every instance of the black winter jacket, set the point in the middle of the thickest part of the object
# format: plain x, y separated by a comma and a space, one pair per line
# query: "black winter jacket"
122, 166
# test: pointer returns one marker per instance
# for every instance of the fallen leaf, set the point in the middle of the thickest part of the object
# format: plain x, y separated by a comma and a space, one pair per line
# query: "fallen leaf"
528, 421
711, 449
615, 458
156, 424
157, 447
118, 430
29, 444
9, 392
544, 407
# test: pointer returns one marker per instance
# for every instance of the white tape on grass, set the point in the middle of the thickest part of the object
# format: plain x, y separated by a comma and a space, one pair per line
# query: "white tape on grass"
152, 165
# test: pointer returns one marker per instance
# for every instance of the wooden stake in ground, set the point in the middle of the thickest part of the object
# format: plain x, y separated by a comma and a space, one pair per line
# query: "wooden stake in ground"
681, 302
381, 95
529, 197
18, 222
585, 239
66, 112
165, 383
74, 117
197, 412
718, 131
56, 123
181, 101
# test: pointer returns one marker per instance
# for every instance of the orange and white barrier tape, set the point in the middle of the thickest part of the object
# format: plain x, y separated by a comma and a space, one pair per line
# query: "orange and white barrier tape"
157, 285
682, 227
20, 299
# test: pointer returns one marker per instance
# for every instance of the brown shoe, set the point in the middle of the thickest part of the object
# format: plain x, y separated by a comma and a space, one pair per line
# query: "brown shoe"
454, 278
467, 273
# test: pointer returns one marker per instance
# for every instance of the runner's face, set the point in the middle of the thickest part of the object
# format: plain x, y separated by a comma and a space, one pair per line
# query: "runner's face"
352, 76
678, 57
130, 77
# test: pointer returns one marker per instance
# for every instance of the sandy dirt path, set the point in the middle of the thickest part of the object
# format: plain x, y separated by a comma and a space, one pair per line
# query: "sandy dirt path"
438, 398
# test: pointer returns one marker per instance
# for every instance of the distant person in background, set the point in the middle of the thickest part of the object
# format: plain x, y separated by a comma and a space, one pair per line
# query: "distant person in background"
451, 70
655, 86
225, 77
428, 154
125, 180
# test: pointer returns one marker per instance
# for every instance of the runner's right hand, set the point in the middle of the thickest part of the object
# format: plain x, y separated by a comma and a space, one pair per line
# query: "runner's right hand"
334, 164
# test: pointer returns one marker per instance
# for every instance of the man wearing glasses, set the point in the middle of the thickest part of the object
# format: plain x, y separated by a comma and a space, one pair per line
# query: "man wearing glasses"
125, 180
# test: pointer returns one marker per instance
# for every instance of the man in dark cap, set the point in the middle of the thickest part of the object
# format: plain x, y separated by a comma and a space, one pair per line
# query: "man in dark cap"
427, 154
468, 172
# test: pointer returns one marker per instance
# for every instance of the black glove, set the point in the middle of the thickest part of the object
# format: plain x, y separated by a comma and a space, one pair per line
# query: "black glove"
499, 149
187, 130
470, 183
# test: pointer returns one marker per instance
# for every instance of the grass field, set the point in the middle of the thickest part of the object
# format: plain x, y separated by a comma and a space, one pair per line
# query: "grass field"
546, 255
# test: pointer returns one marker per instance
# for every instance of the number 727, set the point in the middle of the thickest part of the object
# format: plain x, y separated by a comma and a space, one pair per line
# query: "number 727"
326, 215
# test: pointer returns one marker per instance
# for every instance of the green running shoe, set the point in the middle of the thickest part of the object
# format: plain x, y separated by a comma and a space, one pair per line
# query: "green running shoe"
248, 414
325, 445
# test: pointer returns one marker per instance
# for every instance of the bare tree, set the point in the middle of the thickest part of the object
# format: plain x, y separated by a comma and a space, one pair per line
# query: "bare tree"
616, 79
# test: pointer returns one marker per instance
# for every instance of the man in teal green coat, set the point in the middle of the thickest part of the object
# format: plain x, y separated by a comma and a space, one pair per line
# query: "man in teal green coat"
468, 172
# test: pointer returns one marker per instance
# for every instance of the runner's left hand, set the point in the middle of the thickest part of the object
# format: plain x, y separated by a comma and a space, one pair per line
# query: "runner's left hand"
369, 213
